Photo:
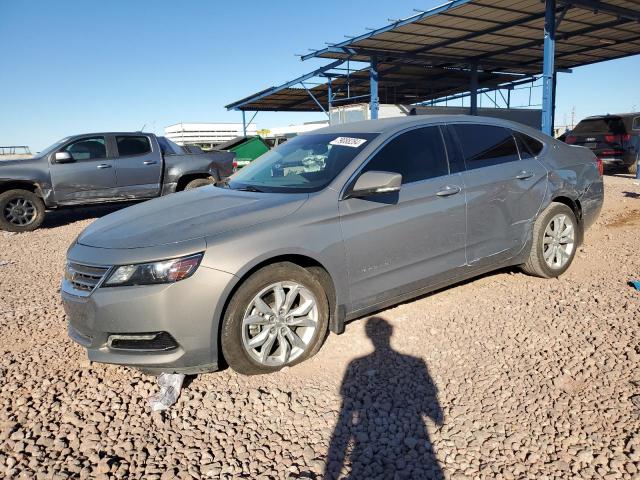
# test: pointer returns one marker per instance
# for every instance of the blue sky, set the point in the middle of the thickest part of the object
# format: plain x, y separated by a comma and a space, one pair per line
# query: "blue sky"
72, 66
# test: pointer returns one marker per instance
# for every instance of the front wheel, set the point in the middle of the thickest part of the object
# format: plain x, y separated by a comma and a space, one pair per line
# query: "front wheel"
277, 317
555, 235
20, 211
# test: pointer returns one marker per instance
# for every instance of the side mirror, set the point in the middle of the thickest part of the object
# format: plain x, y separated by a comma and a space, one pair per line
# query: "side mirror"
63, 157
375, 183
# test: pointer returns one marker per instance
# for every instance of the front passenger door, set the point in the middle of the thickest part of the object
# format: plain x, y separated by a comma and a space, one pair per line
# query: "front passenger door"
400, 242
89, 177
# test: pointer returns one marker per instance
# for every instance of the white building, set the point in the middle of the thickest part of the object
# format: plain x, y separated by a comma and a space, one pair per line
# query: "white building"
206, 135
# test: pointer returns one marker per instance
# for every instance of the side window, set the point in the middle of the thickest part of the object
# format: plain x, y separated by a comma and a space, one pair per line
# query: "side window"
525, 153
417, 155
486, 145
534, 146
87, 149
132, 146
636, 123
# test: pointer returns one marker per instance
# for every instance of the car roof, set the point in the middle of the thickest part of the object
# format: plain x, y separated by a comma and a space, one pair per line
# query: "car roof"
621, 115
389, 125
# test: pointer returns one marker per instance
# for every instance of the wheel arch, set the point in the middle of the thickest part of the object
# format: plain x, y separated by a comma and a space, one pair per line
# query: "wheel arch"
187, 177
337, 313
21, 185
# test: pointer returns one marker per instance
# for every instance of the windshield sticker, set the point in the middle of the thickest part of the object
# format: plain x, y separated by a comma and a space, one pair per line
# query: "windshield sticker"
348, 142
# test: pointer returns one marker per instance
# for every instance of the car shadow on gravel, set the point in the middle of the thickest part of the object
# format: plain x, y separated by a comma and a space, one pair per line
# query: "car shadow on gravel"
380, 432
65, 216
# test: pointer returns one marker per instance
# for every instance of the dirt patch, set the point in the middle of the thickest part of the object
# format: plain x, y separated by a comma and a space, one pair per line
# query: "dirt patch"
631, 217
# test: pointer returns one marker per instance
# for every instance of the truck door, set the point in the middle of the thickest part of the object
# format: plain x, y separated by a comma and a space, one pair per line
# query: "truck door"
90, 176
138, 166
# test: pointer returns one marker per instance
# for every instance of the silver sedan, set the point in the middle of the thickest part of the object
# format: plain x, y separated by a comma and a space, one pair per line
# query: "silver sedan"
329, 227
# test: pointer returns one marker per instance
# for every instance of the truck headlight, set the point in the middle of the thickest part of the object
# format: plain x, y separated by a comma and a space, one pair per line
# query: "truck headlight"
164, 271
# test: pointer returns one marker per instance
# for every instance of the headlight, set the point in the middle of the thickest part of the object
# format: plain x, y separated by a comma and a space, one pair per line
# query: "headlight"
165, 271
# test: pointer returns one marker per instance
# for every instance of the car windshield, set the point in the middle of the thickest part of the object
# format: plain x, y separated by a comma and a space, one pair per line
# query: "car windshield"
53, 147
307, 163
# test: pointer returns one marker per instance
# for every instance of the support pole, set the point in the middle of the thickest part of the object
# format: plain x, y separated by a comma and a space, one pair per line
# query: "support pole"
373, 85
244, 124
548, 66
473, 108
329, 96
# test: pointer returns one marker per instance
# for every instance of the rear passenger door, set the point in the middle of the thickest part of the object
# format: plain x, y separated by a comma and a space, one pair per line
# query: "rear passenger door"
399, 242
138, 166
504, 192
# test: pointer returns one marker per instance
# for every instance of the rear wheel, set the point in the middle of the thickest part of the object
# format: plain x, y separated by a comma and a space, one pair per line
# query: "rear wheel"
278, 317
20, 211
555, 235
199, 182
633, 168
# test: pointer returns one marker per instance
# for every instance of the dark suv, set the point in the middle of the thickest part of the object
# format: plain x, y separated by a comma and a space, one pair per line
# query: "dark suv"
615, 139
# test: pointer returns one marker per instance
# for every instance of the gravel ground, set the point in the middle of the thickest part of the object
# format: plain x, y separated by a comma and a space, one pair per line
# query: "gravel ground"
505, 376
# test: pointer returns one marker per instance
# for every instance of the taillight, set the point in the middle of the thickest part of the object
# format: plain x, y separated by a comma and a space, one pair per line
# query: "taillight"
600, 166
571, 139
611, 138
235, 165
626, 137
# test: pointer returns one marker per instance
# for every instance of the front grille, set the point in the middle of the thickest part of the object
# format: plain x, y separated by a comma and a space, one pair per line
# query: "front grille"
84, 278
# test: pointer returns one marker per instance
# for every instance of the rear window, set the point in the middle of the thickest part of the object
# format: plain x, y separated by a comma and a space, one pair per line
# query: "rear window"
486, 145
133, 146
614, 125
528, 146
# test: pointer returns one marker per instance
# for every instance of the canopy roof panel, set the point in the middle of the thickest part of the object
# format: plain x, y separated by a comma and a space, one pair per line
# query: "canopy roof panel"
502, 34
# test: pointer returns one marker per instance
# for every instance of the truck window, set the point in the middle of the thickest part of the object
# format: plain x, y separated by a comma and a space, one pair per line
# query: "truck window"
87, 149
129, 145
636, 123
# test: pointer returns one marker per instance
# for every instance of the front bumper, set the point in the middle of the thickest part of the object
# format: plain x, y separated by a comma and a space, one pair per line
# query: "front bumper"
186, 310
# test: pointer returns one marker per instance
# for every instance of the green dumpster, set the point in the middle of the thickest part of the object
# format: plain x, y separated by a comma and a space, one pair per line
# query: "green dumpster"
246, 149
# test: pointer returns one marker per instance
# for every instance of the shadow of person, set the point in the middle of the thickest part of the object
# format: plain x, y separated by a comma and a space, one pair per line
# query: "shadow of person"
380, 431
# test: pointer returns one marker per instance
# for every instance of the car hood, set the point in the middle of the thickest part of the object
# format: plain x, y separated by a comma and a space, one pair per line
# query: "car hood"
19, 162
183, 216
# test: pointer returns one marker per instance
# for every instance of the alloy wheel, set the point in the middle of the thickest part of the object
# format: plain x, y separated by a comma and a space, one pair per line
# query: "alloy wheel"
558, 241
279, 323
19, 211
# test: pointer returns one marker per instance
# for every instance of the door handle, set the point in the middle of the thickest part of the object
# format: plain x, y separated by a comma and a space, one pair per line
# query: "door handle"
150, 162
449, 190
523, 175
104, 165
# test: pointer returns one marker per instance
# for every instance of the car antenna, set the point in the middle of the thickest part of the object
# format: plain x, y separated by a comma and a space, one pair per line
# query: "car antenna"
142, 129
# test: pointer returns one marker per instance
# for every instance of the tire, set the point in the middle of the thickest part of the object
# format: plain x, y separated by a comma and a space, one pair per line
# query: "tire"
199, 182
21, 211
537, 265
633, 168
235, 335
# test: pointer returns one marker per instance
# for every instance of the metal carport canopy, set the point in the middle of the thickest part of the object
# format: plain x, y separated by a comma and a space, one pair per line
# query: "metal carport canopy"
482, 38
501, 34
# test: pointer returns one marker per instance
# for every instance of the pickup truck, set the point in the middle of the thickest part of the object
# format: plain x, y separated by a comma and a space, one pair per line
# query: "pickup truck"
99, 168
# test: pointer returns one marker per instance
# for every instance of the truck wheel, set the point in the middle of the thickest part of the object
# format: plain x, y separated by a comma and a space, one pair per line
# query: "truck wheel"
20, 211
555, 236
199, 182
278, 317
633, 168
